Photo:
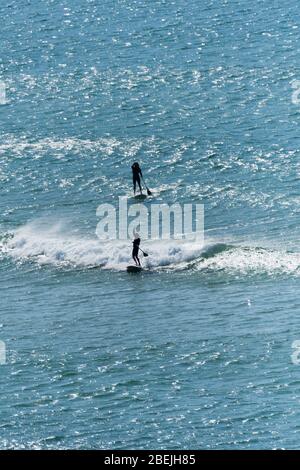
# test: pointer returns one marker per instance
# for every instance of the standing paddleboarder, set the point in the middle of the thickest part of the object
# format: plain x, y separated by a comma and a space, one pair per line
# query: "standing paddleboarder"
135, 250
136, 176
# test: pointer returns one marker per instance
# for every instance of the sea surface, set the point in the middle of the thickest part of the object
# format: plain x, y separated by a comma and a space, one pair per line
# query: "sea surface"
194, 353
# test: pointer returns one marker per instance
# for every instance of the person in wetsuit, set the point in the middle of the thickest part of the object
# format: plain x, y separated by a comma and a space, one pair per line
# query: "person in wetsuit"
135, 250
136, 174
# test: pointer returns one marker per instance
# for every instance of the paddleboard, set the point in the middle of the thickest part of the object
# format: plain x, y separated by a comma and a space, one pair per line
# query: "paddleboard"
134, 269
140, 197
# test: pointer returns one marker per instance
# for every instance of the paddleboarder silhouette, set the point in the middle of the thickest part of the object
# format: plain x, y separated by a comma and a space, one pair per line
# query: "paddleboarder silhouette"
135, 250
136, 176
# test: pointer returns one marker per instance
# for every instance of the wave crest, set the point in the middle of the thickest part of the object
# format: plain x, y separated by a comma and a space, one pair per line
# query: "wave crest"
54, 246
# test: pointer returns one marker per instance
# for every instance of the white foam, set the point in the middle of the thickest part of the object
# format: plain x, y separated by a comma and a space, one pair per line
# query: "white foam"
54, 245
246, 260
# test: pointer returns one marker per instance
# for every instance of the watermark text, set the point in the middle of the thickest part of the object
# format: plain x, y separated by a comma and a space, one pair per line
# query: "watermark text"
152, 221
2, 353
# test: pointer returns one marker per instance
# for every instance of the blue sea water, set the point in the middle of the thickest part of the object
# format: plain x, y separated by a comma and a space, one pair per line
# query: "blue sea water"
195, 353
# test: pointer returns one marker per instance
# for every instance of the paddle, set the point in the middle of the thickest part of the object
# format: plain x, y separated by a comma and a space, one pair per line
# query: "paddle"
145, 254
148, 190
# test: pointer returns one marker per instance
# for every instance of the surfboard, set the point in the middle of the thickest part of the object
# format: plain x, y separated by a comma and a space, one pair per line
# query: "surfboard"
134, 269
140, 197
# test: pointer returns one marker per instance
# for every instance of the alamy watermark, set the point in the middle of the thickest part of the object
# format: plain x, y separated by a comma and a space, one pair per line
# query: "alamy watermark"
295, 356
152, 221
296, 93
3, 99
2, 353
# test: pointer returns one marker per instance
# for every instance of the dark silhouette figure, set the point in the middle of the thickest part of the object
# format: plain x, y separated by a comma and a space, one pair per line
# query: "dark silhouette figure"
135, 251
136, 176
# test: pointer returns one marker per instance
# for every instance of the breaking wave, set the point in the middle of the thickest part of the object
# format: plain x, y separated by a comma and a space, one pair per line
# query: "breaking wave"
53, 246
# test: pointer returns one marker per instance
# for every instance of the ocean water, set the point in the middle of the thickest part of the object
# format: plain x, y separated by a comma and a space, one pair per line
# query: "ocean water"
195, 353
